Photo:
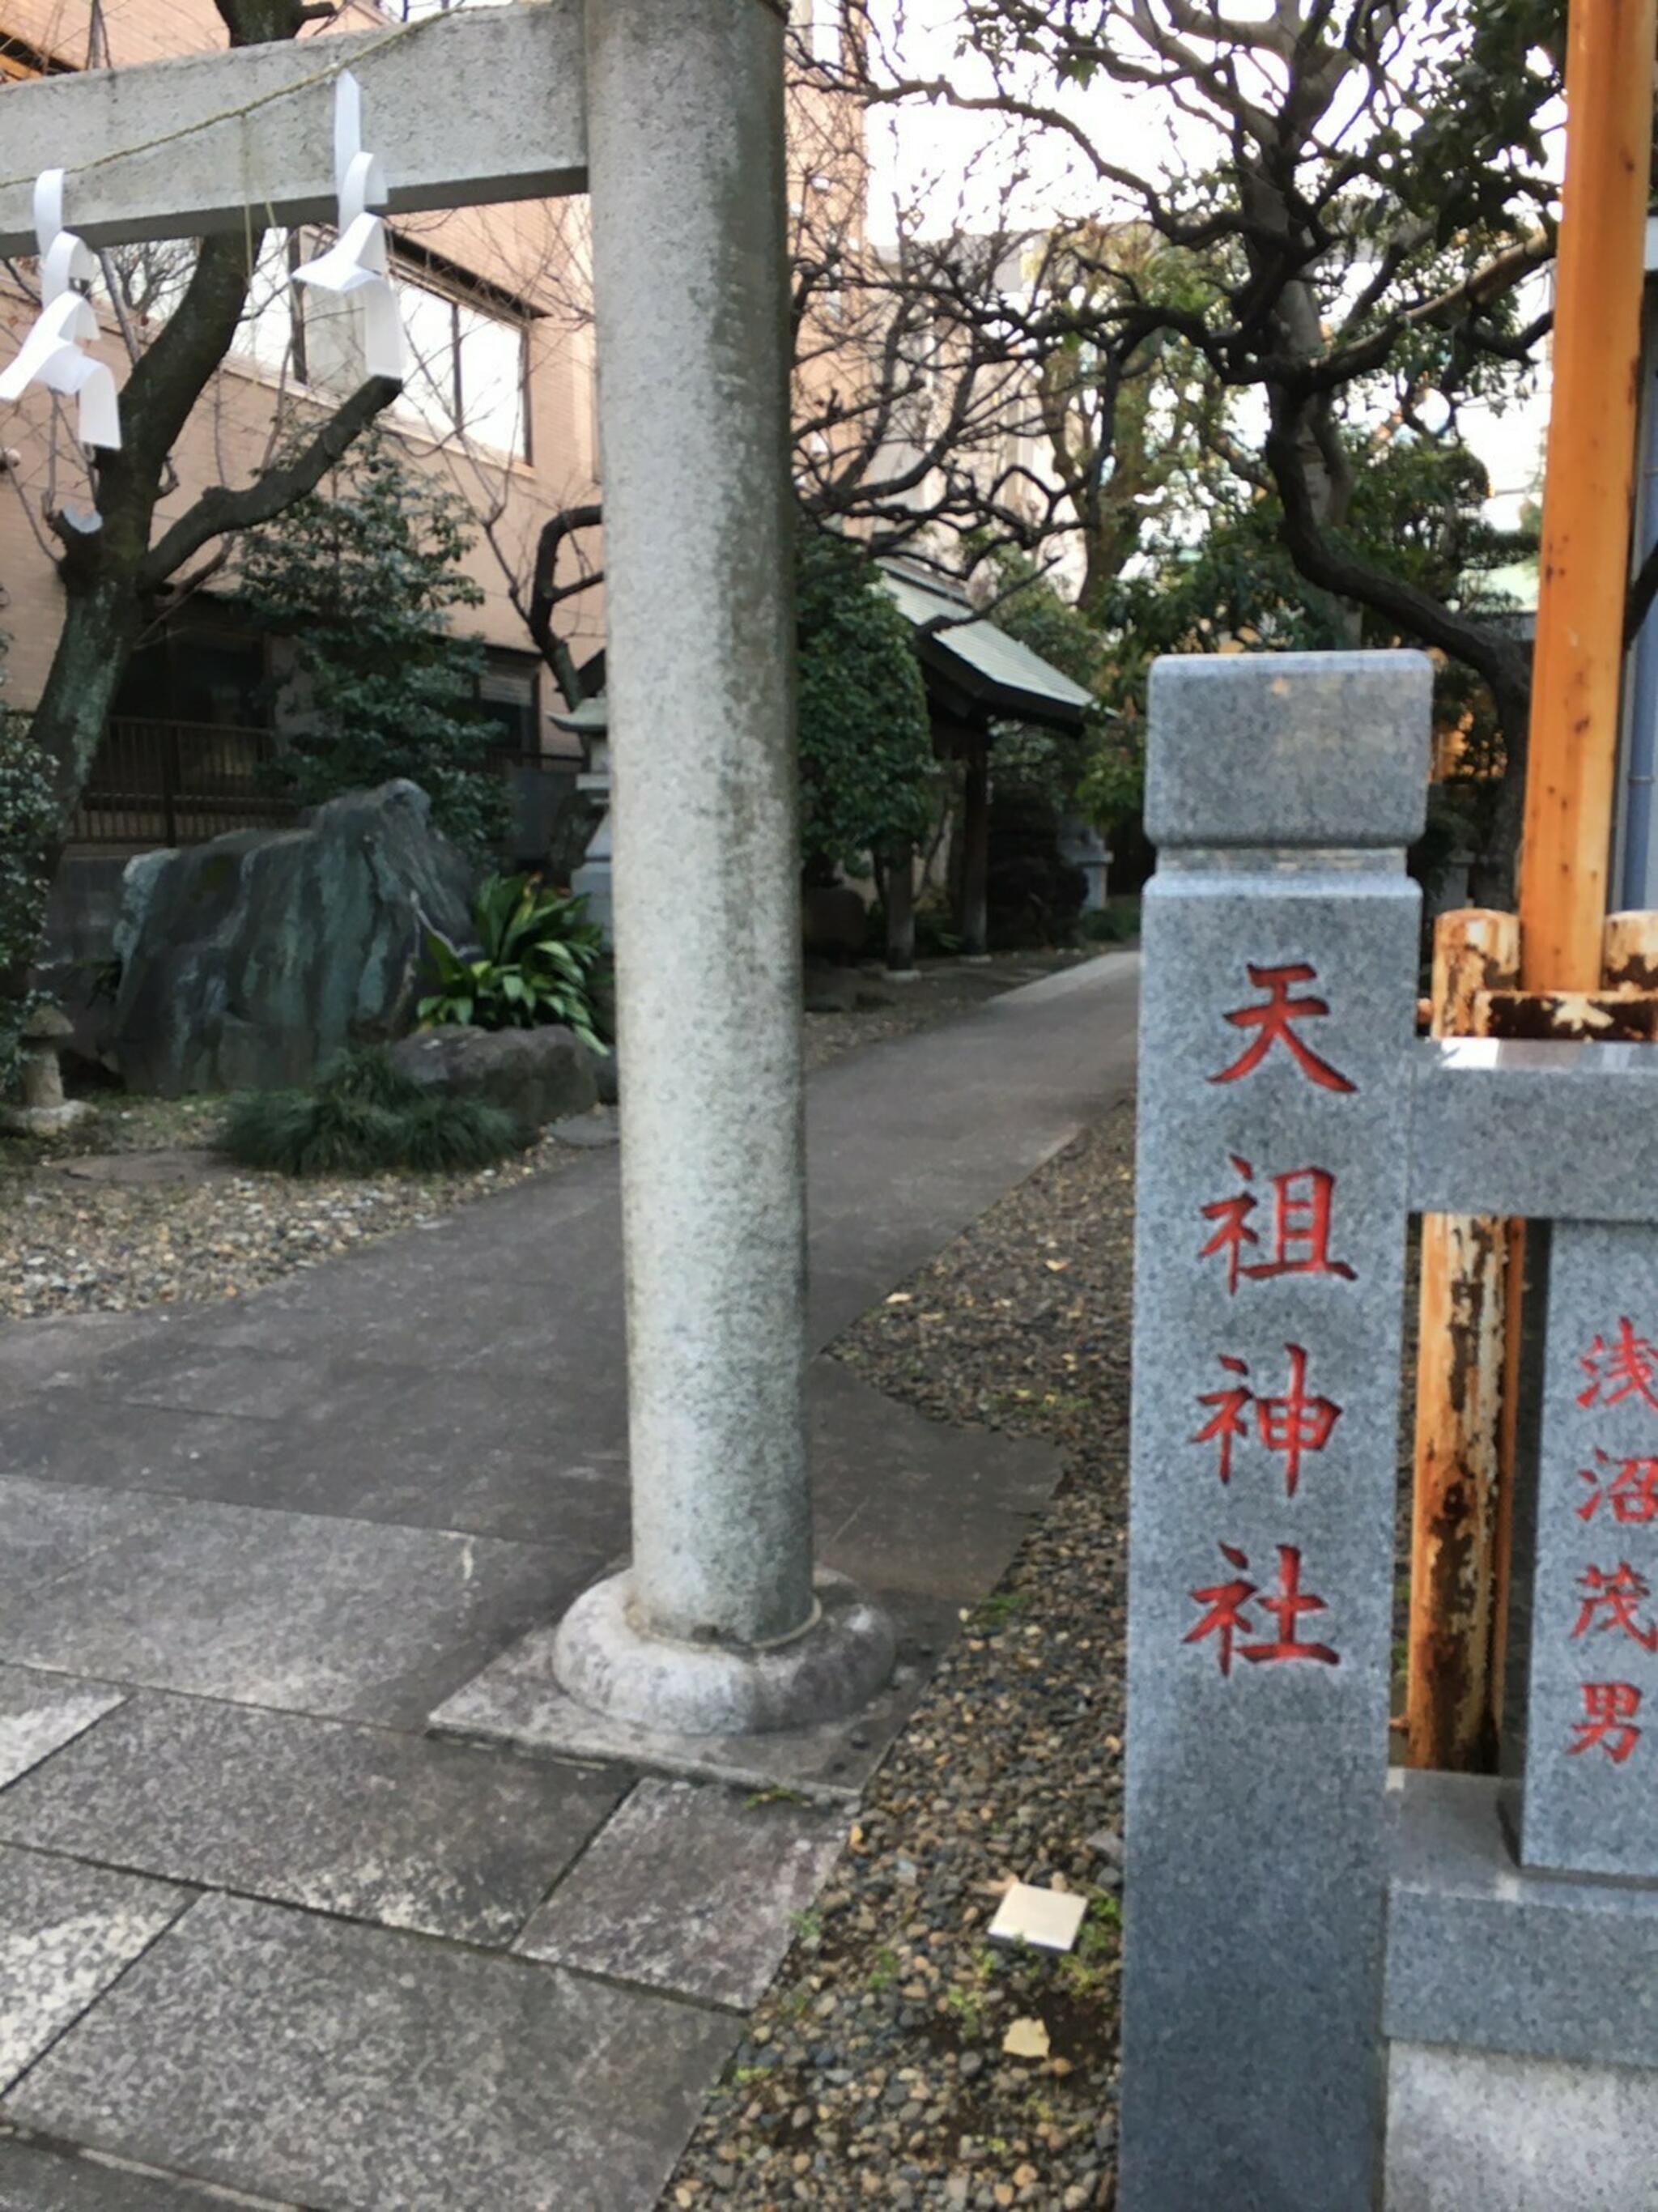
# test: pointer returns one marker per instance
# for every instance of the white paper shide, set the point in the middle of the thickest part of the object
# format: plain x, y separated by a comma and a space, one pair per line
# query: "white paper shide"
51, 355
354, 267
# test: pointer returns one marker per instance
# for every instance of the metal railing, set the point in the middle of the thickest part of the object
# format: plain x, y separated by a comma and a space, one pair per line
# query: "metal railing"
180, 783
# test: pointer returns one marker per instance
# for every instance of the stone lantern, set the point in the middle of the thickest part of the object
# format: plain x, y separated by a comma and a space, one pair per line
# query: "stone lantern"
44, 1111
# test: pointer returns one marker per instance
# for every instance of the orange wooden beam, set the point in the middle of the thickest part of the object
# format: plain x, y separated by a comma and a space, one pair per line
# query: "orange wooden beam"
1587, 486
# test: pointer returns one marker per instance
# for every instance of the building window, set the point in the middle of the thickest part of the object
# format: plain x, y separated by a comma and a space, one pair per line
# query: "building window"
817, 23
467, 363
467, 370
506, 693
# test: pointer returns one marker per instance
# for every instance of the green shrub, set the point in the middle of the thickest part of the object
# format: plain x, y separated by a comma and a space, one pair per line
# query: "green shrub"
29, 819
365, 1117
540, 960
867, 774
936, 934
1112, 925
364, 576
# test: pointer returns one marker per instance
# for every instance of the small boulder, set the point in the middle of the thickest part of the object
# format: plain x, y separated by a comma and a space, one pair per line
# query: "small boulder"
833, 920
829, 990
539, 1075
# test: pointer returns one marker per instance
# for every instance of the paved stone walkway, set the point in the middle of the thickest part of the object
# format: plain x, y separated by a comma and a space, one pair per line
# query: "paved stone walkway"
266, 1938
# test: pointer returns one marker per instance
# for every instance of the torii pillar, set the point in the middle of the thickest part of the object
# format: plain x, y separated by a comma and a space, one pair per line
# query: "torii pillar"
718, 1625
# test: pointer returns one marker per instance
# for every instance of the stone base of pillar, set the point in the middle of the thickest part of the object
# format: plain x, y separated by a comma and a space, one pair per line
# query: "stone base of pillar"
901, 975
605, 1659
45, 1121
973, 960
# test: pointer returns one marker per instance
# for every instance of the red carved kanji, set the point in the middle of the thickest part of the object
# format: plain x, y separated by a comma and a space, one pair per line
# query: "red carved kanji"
1627, 1368
1293, 1423
1274, 1023
1230, 1418
1301, 1227
1296, 1423
1227, 1619
1632, 1493
1609, 1711
1286, 1609
1609, 1604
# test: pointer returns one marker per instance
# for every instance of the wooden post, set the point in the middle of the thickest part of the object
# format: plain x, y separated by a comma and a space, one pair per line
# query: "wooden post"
1588, 480
1459, 1383
1588, 483
1630, 954
1629, 963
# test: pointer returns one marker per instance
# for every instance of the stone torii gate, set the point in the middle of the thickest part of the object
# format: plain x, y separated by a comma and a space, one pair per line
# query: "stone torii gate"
673, 117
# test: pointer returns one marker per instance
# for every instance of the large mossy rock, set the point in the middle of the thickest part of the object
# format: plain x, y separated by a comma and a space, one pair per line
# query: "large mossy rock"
537, 1075
248, 963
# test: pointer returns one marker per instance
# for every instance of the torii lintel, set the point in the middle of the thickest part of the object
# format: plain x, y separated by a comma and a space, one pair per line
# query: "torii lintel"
469, 108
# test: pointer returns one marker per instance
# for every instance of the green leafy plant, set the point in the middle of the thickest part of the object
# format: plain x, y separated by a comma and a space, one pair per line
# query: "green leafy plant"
1111, 924
539, 960
365, 1117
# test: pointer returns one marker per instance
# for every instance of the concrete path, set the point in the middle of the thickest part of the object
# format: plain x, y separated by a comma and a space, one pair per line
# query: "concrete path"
260, 1930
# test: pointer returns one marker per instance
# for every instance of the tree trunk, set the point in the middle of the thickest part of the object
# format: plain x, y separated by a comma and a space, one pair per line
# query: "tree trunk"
1494, 879
972, 916
101, 619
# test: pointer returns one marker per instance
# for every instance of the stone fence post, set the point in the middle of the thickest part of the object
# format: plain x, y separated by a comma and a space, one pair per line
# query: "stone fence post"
1279, 991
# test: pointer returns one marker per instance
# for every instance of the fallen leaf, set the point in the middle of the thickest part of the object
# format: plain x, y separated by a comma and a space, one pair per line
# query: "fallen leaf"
1026, 2039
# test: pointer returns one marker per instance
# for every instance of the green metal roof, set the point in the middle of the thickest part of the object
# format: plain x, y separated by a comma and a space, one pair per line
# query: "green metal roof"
989, 672
994, 672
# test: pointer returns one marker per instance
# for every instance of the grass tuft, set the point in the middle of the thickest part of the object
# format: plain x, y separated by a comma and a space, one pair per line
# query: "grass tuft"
365, 1117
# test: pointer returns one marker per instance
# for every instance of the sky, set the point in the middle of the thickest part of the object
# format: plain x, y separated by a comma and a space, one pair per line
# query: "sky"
938, 159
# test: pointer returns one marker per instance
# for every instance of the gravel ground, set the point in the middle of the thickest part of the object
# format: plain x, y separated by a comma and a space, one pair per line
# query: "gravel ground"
73, 1240
68, 1245
876, 2069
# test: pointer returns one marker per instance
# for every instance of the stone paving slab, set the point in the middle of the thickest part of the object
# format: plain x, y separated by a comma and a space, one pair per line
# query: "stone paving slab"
360, 1822
289, 1610
48, 1531
692, 1889
36, 2180
38, 1713
66, 1933
92, 1443
369, 2071
894, 1495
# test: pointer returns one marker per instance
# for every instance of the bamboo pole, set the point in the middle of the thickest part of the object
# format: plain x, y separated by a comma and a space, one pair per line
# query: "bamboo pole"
1587, 486
1458, 1396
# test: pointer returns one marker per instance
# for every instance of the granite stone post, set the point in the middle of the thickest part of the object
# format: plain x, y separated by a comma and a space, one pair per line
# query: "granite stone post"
718, 1625
1581, 1730
1280, 952
901, 910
